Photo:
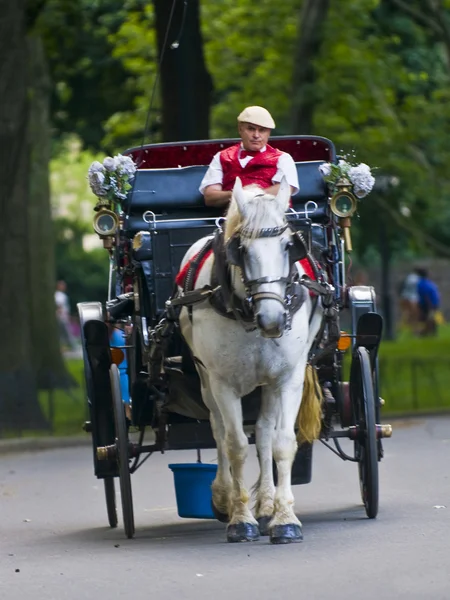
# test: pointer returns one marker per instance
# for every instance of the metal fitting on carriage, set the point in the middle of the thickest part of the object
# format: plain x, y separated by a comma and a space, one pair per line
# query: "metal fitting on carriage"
106, 222
110, 452
355, 432
343, 204
106, 452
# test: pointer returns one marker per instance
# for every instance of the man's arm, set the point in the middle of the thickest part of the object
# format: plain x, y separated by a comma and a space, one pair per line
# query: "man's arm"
215, 196
273, 189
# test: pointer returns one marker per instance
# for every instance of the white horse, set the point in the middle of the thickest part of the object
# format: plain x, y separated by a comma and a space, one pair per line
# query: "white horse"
232, 360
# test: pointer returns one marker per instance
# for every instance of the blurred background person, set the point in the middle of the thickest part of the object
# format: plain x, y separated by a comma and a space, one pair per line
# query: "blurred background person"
63, 315
409, 302
429, 303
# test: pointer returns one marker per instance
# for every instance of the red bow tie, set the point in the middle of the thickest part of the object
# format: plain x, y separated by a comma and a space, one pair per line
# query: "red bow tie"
245, 153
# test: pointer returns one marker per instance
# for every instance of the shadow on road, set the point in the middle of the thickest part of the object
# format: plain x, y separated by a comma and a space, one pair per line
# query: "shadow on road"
198, 533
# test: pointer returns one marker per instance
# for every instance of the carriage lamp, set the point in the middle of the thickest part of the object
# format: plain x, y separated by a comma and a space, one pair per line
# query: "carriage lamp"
343, 204
106, 222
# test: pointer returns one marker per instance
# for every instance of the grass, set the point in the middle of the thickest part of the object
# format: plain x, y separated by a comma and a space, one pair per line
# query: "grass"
414, 373
66, 410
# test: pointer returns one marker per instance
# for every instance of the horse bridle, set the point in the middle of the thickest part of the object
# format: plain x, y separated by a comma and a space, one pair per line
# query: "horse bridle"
234, 251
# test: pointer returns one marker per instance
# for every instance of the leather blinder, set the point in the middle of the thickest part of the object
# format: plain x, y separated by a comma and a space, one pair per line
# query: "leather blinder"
234, 251
297, 250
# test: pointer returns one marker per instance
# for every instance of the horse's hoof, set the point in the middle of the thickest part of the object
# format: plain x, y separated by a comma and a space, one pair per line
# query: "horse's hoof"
263, 523
286, 534
242, 532
220, 516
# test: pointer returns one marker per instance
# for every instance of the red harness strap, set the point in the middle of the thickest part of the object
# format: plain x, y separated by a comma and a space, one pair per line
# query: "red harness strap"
180, 278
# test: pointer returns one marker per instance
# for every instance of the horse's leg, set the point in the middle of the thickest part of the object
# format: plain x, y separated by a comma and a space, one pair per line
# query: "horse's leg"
285, 526
222, 486
242, 527
265, 488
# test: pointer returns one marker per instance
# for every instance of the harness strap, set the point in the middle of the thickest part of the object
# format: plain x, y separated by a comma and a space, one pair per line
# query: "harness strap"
192, 297
226, 298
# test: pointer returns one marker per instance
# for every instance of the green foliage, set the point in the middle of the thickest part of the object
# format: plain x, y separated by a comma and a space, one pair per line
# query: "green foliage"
80, 259
381, 88
89, 83
85, 272
250, 57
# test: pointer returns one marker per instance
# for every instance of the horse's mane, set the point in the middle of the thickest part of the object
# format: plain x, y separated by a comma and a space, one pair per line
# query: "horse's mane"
258, 207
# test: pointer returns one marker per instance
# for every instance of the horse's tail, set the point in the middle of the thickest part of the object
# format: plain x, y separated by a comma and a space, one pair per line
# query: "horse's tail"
309, 419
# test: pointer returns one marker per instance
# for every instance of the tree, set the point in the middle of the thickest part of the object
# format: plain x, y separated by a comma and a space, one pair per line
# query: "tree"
186, 85
18, 400
90, 85
311, 27
30, 356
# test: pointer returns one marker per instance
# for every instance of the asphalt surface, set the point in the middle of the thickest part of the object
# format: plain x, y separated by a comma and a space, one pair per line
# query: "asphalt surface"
55, 542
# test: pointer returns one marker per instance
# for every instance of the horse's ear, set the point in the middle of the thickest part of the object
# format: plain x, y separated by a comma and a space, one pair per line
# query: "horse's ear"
284, 194
238, 195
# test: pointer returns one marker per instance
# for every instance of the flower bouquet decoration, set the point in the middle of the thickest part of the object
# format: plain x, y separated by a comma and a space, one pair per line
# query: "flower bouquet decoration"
358, 176
347, 184
110, 182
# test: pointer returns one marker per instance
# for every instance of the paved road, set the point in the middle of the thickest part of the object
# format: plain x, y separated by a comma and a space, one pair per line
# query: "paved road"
54, 542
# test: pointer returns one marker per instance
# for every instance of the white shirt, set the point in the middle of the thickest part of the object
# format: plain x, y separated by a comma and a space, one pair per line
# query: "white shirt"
285, 166
409, 290
62, 304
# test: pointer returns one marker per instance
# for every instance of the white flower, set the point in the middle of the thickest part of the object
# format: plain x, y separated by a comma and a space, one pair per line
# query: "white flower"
344, 166
96, 167
111, 179
362, 180
110, 164
125, 164
325, 169
96, 181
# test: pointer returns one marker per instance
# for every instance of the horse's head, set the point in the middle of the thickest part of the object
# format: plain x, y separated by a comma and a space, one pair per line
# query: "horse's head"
261, 244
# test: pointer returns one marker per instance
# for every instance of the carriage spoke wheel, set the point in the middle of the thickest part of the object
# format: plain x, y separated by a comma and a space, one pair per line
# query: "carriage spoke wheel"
366, 449
122, 452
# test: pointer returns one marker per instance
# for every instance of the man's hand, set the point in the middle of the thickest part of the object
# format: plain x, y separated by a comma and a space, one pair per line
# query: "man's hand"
215, 196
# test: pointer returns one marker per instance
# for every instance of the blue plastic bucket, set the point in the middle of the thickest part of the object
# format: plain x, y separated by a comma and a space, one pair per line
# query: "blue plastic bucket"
193, 489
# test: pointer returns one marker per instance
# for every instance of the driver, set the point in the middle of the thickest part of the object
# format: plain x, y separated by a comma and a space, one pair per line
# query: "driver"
253, 160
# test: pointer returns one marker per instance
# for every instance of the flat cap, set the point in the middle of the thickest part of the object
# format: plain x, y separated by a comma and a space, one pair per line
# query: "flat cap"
258, 116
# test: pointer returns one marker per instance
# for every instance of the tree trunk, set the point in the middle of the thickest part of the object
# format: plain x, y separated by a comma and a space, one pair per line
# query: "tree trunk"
47, 359
186, 85
311, 26
19, 407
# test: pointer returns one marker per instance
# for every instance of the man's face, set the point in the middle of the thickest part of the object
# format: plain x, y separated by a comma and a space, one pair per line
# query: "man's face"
253, 137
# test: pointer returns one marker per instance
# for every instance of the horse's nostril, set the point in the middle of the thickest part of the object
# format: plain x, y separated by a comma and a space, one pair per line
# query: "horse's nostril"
272, 327
259, 321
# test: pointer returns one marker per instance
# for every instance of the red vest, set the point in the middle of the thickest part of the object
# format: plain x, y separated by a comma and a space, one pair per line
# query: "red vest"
260, 170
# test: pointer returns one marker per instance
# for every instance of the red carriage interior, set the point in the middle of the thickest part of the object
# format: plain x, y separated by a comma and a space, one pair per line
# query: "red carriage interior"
186, 154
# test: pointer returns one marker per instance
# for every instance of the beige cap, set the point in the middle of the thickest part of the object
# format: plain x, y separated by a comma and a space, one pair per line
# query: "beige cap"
258, 116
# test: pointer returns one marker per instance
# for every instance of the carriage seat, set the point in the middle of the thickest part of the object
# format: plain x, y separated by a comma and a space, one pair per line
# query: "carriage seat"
175, 194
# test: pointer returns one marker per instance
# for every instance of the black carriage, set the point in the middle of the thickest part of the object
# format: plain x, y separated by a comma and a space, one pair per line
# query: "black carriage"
162, 216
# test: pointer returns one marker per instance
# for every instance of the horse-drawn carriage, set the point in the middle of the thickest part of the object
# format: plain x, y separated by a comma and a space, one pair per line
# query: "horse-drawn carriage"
177, 301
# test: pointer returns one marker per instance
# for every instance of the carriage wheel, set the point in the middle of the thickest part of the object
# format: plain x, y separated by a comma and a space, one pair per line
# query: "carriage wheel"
122, 452
89, 311
366, 448
110, 497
